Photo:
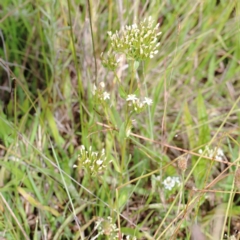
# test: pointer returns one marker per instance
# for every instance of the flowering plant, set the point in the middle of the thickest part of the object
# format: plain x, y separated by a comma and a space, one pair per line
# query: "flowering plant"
138, 42
93, 162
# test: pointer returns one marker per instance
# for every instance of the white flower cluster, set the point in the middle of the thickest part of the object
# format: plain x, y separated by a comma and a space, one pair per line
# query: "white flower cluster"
109, 61
170, 182
108, 228
139, 42
99, 92
136, 104
215, 153
93, 162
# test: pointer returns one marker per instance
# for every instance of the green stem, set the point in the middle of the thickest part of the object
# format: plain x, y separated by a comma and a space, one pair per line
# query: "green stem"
92, 37
123, 148
181, 196
79, 79
111, 131
132, 76
123, 152
118, 80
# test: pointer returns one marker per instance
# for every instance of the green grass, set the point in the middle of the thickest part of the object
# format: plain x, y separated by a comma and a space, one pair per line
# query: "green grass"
52, 52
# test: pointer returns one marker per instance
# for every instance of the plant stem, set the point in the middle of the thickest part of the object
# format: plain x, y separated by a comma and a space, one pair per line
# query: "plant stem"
132, 76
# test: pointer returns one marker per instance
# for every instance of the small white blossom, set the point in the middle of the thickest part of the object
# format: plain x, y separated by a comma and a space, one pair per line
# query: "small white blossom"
136, 104
216, 153
148, 101
14, 159
87, 161
158, 178
99, 162
132, 97
102, 84
109, 230
94, 153
220, 154
93, 162
106, 96
170, 182
130, 238
177, 181
140, 105
100, 95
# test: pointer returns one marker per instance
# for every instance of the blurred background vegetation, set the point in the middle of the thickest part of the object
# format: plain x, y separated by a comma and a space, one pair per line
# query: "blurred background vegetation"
50, 59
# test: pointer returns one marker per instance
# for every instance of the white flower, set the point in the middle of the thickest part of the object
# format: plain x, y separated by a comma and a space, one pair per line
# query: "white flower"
129, 238
134, 26
158, 178
103, 152
94, 153
99, 162
87, 161
15, 159
216, 153
148, 101
170, 182
132, 97
220, 154
102, 84
106, 96
177, 181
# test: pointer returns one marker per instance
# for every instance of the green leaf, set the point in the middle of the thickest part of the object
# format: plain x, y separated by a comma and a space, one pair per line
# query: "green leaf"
6, 131
136, 65
35, 203
203, 128
189, 126
122, 92
203, 139
19, 173
122, 132
53, 126
123, 197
